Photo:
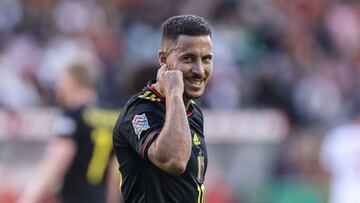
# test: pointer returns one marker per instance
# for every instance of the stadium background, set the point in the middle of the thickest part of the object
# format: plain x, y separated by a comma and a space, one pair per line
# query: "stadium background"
285, 73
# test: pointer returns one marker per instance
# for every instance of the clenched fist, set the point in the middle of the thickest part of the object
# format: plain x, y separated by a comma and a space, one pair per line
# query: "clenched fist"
170, 81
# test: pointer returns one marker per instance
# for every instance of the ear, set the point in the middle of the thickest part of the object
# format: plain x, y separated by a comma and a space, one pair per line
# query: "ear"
162, 57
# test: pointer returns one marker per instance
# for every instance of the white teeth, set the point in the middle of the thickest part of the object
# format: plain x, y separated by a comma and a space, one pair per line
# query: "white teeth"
195, 82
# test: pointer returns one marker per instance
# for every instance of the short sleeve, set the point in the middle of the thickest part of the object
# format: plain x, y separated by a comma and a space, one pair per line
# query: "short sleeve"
141, 128
64, 126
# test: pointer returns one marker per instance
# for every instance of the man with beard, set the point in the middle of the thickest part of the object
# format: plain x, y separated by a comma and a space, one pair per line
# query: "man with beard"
158, 139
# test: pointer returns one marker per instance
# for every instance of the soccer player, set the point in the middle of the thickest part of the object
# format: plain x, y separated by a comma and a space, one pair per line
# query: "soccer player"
340, 157
158, 139
79, 156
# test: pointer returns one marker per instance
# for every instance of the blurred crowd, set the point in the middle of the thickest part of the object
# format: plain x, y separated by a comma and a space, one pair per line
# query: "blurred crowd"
300, 56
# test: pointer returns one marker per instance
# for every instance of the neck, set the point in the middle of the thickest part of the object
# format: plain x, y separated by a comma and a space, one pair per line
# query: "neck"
82, 98
187, 102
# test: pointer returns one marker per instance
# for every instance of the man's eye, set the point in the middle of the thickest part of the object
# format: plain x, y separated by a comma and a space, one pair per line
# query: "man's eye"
187, 59
207, 59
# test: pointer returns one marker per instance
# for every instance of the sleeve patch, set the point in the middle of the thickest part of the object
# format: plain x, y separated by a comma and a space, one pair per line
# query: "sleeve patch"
140, 123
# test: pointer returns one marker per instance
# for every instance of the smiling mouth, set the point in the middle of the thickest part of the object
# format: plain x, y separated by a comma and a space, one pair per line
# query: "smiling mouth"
195, 82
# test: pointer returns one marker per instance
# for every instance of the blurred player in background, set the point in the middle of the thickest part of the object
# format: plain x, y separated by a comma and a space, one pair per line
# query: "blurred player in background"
78, 160
159, 140
340, 157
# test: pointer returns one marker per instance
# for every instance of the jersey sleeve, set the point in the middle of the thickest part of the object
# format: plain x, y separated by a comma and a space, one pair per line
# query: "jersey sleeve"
64, 126
140, 127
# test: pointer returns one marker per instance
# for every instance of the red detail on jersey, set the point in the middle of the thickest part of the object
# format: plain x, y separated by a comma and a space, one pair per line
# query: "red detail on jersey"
190, 112
155, 92
148, 141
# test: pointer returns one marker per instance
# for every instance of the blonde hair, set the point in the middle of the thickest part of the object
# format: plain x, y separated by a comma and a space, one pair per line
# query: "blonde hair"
84, 74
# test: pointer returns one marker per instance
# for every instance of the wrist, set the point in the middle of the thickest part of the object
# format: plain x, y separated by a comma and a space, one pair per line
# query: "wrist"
174, 95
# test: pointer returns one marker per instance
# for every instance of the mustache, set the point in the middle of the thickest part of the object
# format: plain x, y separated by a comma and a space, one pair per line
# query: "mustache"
197, 76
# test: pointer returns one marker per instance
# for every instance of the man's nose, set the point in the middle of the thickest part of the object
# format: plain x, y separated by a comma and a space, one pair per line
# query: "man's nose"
198, 69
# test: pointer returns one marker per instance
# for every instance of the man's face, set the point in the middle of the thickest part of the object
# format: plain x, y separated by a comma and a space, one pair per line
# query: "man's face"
65, 89
192, 55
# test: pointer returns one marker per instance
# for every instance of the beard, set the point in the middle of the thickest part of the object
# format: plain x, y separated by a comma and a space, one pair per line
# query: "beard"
191, 95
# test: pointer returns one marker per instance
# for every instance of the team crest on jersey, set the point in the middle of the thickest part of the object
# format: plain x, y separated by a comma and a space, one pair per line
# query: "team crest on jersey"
140, 123
196, 140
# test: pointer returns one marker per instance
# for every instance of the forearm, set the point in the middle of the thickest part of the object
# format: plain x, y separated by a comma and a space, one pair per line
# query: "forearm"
51, 169
172, 148
113, 191
41, 185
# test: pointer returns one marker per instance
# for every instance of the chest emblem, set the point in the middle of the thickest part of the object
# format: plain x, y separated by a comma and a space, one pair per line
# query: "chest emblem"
196, 140
140, 123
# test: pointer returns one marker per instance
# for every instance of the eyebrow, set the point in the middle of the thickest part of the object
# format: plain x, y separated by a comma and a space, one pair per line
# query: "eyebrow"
191, 54
186, 54
208, 55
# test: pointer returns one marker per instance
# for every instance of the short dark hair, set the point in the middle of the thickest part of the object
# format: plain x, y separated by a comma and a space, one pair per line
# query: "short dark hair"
184, 25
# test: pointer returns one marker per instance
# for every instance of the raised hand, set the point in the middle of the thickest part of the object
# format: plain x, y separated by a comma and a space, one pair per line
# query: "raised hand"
170, 81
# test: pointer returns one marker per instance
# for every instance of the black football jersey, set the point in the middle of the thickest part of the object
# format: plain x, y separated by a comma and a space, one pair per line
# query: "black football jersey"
91, 129
141, 121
